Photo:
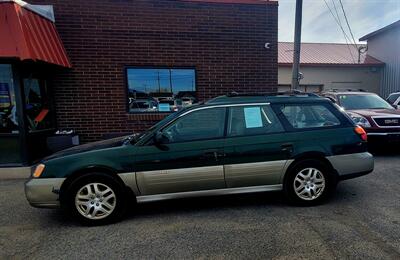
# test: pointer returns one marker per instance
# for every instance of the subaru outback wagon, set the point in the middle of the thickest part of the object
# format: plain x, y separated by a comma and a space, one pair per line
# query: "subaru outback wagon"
301, 144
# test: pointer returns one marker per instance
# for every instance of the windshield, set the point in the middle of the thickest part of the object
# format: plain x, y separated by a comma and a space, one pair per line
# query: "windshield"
351, 102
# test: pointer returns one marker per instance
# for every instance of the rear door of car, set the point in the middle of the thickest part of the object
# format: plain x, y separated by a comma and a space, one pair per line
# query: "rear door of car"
256, 147
191, 159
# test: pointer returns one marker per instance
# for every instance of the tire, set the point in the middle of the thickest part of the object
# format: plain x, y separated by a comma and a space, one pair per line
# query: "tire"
309, 182
96, 199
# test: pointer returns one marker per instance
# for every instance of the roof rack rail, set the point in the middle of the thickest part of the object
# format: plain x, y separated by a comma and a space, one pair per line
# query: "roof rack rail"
278, 93
355, 90
348, 90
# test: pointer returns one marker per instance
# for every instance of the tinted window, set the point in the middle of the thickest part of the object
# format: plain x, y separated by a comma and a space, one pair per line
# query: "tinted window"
392, 98
197, 125
309, 116
371, 101
160, 90
8, 109
252, 120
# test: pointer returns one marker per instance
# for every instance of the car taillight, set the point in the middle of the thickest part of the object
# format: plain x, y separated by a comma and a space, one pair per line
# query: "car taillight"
361, 132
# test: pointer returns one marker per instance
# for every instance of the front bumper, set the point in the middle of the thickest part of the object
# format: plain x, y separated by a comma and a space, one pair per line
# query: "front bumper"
383, 136
43, 193
352, 165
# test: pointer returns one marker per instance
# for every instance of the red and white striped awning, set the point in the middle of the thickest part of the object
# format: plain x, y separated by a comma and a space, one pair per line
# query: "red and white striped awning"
28, 32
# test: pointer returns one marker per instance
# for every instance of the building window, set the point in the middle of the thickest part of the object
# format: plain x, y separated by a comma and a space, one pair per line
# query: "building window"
160, 89
8, 109
37, 104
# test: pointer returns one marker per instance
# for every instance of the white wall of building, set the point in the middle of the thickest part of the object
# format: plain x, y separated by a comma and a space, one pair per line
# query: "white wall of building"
367, 78
385, 46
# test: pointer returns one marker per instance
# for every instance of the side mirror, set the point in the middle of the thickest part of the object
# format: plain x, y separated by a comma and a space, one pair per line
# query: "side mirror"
160, 139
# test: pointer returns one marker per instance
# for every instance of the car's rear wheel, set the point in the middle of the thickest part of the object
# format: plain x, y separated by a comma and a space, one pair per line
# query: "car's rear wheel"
96, 199
309, 182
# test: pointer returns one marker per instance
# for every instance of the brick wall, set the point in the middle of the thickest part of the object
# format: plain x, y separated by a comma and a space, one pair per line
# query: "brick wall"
224, 42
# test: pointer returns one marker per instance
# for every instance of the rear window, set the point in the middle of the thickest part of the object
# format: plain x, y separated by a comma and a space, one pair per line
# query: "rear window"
309, 116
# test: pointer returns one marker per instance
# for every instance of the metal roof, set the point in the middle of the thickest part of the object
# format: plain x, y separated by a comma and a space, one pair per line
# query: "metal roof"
384, 29
26, 35
325, 54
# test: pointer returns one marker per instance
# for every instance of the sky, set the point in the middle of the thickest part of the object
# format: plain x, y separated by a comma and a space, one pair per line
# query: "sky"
146, 80
318, 24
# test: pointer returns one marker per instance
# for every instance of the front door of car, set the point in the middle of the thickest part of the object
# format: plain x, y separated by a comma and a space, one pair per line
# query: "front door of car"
187, 157
256, 147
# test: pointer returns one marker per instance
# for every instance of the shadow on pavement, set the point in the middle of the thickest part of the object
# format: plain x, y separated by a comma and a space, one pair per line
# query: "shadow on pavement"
385, 150
190, 205
187, 206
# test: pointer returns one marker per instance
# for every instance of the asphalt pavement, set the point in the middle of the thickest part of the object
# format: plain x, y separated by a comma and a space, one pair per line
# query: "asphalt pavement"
361, 221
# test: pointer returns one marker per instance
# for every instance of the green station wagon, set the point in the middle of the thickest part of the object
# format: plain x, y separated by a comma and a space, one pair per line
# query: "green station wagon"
301, 144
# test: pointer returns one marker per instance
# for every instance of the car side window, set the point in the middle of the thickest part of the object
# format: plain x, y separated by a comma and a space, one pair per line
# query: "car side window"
253, 120
198, 125
309, 116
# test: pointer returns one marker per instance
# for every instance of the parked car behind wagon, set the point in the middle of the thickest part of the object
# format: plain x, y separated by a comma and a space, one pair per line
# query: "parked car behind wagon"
380, 119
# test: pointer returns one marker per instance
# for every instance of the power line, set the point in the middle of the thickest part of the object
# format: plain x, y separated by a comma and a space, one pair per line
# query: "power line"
348, 25
337, 20
347, 38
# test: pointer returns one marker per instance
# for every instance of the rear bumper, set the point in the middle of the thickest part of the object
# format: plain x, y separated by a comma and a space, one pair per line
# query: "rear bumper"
43, 193
352, 165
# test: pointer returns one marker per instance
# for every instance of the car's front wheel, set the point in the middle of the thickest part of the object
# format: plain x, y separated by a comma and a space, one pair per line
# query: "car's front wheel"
96, 199
309, 182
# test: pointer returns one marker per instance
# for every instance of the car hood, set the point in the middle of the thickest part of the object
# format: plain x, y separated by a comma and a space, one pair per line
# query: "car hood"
375, 112
114, 142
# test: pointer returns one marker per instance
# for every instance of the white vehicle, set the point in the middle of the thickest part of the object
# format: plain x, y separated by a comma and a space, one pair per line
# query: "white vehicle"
394, 99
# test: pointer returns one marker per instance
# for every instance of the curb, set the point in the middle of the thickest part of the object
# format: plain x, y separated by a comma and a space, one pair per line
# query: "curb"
15, 173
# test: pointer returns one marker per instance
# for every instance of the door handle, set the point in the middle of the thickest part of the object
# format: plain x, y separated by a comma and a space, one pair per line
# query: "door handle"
216, 154
288, 147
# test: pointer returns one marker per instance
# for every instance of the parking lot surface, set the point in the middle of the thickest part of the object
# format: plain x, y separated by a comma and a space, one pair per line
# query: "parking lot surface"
361, 221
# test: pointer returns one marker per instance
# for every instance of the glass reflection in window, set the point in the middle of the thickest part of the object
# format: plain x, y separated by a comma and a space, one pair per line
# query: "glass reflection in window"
160, 90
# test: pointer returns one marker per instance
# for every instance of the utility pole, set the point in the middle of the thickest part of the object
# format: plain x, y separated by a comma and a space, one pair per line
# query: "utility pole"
170, 81
158, 80
297, 41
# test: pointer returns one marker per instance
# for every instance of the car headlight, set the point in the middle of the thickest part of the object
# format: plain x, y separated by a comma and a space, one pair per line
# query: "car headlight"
360, 120
38, 170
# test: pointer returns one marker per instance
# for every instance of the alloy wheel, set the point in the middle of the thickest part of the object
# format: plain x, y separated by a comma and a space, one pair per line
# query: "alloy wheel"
309, 184
95, 201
